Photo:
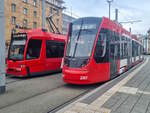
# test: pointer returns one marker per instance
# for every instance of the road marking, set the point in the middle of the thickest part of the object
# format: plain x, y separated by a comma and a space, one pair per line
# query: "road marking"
132, 90
128, 90
144, 92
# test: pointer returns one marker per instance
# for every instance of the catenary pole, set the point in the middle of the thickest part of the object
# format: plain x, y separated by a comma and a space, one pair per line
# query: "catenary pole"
43, 14
116, 15
2, 48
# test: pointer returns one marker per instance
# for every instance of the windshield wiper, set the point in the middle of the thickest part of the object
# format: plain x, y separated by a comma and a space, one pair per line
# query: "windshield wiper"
75, 35
78, 38
69, 56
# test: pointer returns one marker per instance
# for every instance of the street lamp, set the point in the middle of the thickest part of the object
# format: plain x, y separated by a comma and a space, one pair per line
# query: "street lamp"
109, 2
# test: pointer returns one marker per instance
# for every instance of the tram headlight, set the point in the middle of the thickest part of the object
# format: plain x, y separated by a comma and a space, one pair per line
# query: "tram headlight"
22, 66
18, 69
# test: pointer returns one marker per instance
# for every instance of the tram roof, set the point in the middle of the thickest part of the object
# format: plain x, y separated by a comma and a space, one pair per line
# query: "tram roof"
43, 32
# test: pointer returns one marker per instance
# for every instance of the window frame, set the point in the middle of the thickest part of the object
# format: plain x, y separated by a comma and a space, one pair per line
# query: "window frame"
13, 7
13, 20
58, 50
34, 25
34, 3
25, 1
25, 24
35, 14
39, 52
105, 57
25, 11
102, 34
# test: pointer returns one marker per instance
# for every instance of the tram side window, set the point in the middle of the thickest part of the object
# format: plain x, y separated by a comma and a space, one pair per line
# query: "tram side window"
101, 50
121, 52
136, 49
133, 51
33, 49
117, 42
124, 47
125, 50
101, 45
54, 49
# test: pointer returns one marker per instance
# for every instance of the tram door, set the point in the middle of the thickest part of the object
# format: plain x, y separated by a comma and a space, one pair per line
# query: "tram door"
113, 60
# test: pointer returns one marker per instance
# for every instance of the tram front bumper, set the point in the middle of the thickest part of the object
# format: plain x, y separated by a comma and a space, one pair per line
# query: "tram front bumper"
76, 76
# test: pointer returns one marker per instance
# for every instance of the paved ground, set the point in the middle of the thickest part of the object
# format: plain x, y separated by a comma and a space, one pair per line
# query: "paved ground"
38, 94
130, 95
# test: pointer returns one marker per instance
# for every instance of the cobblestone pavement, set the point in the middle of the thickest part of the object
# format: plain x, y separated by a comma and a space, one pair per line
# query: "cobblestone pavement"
129, 95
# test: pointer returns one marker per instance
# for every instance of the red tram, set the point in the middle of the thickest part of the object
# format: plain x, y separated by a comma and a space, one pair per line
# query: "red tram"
98, 50
35, 52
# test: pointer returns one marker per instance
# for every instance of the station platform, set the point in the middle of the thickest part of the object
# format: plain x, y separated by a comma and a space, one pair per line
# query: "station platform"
128, 93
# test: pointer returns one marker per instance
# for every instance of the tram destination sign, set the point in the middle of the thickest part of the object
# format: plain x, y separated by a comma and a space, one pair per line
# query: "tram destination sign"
19, 35
84, 26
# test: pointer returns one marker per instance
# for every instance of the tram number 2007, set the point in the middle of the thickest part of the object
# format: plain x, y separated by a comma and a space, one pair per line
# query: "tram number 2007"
83, 77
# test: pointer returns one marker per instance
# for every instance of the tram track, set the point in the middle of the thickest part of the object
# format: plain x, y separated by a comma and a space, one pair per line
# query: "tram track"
17, 102
34, 92
11, 79
60, 105
57, 108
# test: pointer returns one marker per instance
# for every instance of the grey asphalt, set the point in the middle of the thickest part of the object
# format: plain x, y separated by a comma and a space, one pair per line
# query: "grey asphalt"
38, 94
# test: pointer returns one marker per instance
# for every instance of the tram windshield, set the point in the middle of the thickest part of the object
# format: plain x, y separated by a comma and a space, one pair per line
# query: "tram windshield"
17, 47
82, 34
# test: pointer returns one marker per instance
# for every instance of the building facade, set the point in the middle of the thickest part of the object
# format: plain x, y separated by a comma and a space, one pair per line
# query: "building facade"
27, 14
66, 20
144, 40
148, 40
146, 44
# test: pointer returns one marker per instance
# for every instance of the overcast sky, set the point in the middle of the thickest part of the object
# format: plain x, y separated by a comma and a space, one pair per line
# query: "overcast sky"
128, 10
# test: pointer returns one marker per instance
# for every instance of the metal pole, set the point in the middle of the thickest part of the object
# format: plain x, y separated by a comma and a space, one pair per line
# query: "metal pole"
109, 2
43, 14
2, 48
116, 16
109, 9
130, 30
147, 44
71, 13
